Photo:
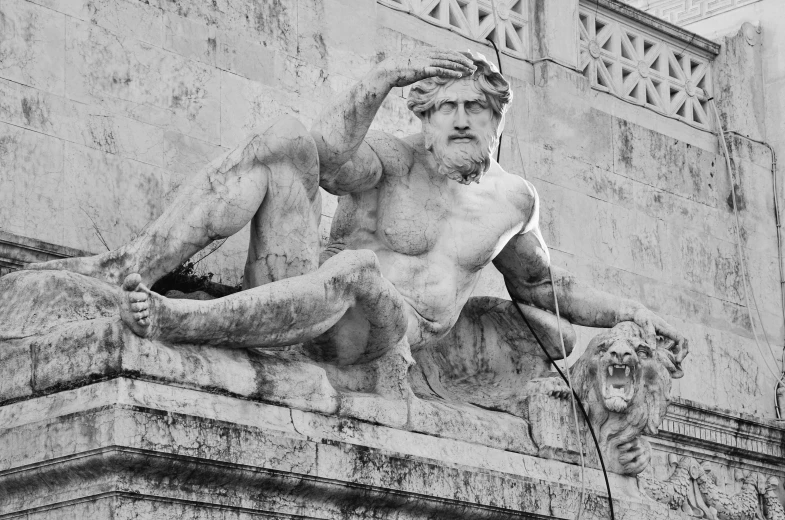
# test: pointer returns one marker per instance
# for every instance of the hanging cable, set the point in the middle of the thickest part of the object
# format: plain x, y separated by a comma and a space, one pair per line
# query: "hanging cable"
744, 274
499, 61
577, 400
778, 223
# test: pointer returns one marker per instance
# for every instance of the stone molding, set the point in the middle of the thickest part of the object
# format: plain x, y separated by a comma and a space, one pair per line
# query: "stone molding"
684, 12
725, 433
660, 67
172, 445
17, 251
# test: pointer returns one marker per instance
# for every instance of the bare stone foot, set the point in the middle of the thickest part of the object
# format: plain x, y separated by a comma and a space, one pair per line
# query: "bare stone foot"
108, 267
138, 306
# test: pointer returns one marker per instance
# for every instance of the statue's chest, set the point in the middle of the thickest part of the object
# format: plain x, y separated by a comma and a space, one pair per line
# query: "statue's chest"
411, 215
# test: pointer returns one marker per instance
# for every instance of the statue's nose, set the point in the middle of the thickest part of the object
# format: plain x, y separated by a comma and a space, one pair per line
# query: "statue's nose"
620, 354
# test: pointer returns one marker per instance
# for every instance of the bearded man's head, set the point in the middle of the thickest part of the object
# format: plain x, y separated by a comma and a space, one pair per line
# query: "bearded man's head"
463, 154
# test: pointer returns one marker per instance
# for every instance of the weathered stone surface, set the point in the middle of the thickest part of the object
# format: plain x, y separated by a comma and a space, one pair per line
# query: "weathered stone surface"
134, 441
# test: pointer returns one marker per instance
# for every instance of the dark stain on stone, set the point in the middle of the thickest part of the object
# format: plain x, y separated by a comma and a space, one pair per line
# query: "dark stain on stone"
211, 46
27, 110
34, 112
625, 144
740, 202
121, 80
320, 45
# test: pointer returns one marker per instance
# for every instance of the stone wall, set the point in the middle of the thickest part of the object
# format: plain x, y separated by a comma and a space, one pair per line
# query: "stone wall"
106, 107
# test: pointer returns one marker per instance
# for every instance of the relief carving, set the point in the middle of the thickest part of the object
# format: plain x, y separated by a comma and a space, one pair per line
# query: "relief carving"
692, 488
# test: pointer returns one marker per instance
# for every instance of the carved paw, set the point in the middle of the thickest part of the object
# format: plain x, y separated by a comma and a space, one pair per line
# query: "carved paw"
552, 386
634, 456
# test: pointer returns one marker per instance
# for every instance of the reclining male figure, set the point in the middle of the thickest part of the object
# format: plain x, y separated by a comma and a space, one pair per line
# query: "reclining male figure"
421, 217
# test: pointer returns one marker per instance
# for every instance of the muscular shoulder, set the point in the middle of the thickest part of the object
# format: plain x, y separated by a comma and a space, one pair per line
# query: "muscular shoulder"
396, 155
522, 195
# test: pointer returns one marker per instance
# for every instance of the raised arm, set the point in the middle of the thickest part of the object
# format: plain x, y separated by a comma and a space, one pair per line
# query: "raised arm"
524, 262
347, 163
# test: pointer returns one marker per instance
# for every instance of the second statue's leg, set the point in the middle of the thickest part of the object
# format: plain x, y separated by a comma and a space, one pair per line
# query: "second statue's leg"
348, 288
216, 203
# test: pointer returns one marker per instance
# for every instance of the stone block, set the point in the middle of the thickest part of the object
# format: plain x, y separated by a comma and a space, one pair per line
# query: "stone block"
663, 162
575, 173
470, 424
142, 82
183, 156
564, 122
106, 211
79, 123
17, 363
248, 58
191, 38
555, 37
246, 104
32, 45
31, 173
738, 73
125, 18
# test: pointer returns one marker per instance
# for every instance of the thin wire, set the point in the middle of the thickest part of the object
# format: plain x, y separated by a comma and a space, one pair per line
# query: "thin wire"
499, 61
744, 274
572, 395
556, 304
577, 400
778, 223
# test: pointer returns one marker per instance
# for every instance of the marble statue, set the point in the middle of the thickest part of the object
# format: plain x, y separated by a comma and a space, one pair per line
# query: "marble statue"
418, 219
624, 383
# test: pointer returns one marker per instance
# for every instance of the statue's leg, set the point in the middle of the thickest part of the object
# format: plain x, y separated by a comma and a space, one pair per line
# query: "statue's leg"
216, 203
348, 288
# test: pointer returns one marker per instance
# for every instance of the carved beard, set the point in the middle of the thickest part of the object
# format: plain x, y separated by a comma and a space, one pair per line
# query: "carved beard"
462, 162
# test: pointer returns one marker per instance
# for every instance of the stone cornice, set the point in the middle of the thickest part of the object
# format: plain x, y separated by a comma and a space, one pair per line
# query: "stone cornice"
687, 38
724, 432
16, 251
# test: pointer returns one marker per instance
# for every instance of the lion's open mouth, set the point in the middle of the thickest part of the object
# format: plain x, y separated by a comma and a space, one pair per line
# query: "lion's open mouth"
618, 386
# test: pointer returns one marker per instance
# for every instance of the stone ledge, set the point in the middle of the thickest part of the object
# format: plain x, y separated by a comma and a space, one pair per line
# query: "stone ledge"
17, 251
144, 443
681, 35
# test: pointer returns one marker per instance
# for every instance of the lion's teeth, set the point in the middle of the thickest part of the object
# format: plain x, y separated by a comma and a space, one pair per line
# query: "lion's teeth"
610, 370
627, 371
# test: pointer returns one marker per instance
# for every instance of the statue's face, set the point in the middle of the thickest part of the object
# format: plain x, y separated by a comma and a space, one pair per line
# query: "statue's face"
461, 131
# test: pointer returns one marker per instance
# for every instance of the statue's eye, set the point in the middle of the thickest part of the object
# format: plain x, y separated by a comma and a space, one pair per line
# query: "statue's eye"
447, 107
643, 351
602, 348
474, 107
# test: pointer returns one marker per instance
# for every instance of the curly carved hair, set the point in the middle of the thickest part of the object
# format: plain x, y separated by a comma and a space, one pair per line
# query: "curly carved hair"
496, 88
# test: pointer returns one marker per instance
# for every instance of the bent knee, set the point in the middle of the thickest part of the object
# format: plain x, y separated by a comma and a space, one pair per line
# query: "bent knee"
287, 140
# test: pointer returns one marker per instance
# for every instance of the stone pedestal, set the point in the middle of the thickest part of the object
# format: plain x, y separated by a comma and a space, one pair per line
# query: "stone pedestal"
97, 423
125, 448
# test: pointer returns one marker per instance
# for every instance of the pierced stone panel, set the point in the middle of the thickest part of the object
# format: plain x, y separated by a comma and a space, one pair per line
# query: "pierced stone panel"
643, 68
506, 22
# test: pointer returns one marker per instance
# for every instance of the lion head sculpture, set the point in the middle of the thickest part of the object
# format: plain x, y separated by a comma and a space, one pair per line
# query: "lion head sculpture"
624, 383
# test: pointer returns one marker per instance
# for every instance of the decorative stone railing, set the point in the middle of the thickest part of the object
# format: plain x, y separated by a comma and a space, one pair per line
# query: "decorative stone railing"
506, 22
622, 51
661, 68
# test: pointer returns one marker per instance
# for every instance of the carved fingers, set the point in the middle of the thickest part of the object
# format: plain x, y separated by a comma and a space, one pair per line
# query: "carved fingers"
677, 346
634, 456
425, 63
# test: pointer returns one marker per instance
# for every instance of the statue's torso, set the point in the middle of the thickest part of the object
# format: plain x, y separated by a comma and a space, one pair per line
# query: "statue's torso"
433, 235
